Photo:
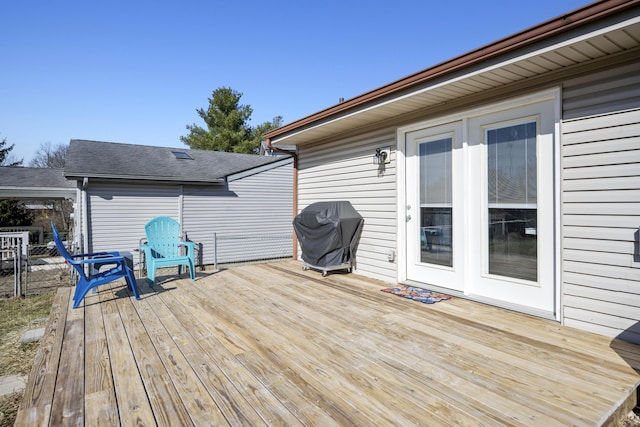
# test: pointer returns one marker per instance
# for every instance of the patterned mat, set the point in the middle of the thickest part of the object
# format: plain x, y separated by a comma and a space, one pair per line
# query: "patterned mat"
423, 295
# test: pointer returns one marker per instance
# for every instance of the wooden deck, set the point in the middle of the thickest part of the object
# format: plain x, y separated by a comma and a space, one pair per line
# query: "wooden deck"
273, 345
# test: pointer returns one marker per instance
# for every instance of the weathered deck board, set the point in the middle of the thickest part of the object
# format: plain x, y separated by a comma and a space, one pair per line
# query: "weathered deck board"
323, 334
168, 407
35, 409
100, 397
134, 406
408, 361
281, 332
160, 325
274, 345
222, 346
68, 400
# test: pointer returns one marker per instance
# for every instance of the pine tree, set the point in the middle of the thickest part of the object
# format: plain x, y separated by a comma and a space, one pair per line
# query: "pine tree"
228, 126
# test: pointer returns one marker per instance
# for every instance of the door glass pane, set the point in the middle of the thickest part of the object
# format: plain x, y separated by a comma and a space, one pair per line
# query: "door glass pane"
512, 201
435, 202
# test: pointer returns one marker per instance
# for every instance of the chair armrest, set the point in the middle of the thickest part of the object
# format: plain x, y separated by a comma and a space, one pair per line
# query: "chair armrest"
114, 260
96, 254
190, 248
148, 253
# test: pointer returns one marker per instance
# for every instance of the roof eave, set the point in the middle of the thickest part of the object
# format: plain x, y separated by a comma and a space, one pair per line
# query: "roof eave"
107, 177
37, 193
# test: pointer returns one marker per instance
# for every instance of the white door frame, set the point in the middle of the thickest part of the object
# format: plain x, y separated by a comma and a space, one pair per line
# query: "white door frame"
553, 95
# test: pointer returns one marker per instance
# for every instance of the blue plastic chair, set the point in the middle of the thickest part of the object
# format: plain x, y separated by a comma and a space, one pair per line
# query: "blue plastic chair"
97, 260
165, 249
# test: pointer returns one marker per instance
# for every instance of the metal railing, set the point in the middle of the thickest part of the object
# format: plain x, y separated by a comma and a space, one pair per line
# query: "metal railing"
242, 249
234, 249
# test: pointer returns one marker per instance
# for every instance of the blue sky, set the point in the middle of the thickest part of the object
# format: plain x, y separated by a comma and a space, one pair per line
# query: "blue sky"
136, 71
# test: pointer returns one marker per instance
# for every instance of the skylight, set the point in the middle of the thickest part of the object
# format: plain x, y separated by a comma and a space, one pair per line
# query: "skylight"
182, 155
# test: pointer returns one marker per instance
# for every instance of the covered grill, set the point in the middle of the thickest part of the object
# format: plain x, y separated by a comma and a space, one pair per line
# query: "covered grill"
328, 233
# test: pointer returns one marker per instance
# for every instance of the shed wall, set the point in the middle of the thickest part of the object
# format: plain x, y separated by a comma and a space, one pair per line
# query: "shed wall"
118, 213
601, 202
250, 207
251, 220
344, 170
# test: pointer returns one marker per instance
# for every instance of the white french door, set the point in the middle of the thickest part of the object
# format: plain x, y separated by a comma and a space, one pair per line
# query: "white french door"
435, 206
480, 205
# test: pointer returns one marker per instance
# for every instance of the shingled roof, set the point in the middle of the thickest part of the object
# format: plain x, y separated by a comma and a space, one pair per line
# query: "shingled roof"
34, 183
95, 159
16, 176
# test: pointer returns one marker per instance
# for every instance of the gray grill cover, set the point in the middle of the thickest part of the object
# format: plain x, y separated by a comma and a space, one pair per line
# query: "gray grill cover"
329, 233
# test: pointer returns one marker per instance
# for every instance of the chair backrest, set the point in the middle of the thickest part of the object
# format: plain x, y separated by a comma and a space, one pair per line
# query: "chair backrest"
61, 248
163, 237
63, 251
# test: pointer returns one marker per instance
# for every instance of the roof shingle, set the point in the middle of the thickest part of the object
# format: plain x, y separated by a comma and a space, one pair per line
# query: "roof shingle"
95, 159
33, 178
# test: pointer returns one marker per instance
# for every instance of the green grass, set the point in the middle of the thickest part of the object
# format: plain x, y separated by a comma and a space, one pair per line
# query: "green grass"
17, 315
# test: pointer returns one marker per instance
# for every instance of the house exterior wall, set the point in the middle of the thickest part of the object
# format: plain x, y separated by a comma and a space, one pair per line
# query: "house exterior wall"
344, 170
601, 202
599, 194
253, 204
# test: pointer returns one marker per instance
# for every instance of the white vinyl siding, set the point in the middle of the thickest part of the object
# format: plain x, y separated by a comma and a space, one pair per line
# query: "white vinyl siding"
602, 92
118, 213
344, 170
601, 202
256, 207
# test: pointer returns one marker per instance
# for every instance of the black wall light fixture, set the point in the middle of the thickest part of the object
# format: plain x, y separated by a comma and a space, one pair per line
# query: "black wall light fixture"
380, 157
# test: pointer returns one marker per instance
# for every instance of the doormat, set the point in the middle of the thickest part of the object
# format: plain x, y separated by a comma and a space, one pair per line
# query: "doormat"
423, 295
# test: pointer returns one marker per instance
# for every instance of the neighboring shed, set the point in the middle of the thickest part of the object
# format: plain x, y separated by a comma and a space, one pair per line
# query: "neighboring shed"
122, 186
35, 183
512, 174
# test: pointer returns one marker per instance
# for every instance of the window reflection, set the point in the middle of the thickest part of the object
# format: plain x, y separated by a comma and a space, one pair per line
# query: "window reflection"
512, 201
435, 236
435, 202
513, 243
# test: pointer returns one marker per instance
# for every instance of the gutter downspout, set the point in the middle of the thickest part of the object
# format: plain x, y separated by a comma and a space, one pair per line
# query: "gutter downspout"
295, 189
85, 217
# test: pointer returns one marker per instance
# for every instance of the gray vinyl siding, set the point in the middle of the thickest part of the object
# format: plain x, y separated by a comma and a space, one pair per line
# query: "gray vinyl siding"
601, 202
255, 206
252, 219
344, 170
118, 213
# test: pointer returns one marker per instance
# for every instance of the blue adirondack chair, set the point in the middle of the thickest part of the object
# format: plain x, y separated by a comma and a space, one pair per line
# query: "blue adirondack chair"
165, 249
117, 268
